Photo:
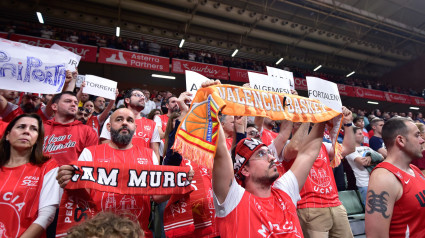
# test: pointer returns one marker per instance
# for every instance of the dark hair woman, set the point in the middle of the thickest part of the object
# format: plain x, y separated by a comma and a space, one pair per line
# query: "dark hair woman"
29, 193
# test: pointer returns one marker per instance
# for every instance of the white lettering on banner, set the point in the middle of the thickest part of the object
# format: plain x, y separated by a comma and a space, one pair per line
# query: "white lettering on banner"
146, 65
145, 58
155, 178
294, 105
201, 69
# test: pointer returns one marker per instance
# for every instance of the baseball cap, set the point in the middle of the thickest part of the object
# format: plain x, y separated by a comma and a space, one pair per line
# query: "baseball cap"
243, 152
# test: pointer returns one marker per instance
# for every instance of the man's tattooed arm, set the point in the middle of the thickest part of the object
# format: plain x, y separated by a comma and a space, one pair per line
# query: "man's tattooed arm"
377, 203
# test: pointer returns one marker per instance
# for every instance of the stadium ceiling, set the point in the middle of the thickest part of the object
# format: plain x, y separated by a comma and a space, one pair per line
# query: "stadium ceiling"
371, 37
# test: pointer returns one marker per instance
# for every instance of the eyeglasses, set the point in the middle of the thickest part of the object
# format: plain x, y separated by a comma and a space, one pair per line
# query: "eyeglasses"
263, 155
138, 95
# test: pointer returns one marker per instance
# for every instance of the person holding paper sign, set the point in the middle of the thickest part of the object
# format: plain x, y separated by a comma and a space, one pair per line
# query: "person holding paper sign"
120, 149
320, 211
146, 132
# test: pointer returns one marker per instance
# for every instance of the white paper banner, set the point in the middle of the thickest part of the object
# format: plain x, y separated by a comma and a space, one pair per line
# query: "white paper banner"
80, 80
31, 69
194, 81
324, 91
283, 75
266, 83
72, 60
100, 87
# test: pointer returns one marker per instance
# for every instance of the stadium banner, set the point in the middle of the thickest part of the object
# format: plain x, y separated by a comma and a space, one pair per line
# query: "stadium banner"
369, 94
300, 84
281, 74
194, 82
346, 90
397, 98
127, 179
3, 35
134, 60
87, 52
268, 83
208, 70
31, 69
99, 86
417, 101
197, 136
241, 75
73, 59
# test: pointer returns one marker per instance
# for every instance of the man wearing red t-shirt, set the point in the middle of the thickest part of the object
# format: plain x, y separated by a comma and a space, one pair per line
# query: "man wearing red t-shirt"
120, 149
172, 106
395, 203
146, 132
64, 137
320, 211
264, 206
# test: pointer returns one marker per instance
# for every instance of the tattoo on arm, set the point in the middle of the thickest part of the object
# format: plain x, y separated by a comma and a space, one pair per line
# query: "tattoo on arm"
378, 203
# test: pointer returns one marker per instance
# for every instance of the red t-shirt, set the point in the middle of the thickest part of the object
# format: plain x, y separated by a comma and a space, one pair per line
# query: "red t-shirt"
138, 206
23, 190
365, 138
408, 216
243, 214
268, 136
164, 120
65, 142
320, 188
93, 122
229, 142
3, 126
13, 110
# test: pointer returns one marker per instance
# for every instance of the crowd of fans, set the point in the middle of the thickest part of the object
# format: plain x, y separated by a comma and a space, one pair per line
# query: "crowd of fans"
143, 46
265, 171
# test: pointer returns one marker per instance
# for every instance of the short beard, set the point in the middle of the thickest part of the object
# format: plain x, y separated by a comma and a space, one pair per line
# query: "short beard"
119, 139
267, 180
29, 108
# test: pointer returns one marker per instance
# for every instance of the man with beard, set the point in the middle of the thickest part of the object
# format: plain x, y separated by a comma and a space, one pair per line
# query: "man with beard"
31, 103
120, 149
395, 204
265, 204
82, 115
99, 105
172, 106
65, 138
146, 132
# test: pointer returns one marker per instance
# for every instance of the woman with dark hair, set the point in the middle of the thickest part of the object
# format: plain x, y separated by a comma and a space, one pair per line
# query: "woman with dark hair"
29, 193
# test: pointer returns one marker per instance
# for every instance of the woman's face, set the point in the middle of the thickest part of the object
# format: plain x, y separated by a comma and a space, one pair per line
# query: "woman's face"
24, 133
89, 105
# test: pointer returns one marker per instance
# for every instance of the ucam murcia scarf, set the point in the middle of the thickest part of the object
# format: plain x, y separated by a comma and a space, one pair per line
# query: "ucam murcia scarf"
197, 136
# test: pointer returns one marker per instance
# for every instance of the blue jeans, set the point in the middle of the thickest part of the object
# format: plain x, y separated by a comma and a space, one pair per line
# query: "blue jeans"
363, 192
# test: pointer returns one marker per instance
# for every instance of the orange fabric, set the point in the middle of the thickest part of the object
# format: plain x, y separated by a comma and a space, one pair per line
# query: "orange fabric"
196, 137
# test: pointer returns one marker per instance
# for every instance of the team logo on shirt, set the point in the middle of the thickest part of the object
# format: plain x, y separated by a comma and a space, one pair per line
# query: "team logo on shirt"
30, 181
142, 160
278, 229
147, 128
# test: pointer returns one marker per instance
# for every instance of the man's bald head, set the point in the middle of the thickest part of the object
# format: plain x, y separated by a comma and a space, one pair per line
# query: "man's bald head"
122, 126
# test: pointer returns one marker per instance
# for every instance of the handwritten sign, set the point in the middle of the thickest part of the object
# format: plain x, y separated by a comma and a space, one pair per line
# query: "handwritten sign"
100, 86
194, 81
73, 59
31, 69
266, 83
324, 91
283, 75
80, 80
